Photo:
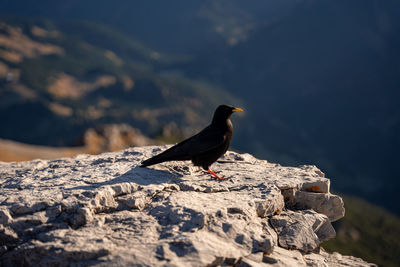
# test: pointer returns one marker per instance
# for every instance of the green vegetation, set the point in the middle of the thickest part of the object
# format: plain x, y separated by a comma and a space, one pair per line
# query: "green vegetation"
369, 232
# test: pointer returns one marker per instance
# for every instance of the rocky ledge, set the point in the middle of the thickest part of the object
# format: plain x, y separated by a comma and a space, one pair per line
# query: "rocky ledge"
105, 210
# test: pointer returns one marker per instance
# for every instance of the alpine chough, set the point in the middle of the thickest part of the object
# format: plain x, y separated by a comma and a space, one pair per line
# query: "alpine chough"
204, 148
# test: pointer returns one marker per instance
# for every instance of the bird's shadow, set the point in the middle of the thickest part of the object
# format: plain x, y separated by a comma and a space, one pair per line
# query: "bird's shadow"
138, 175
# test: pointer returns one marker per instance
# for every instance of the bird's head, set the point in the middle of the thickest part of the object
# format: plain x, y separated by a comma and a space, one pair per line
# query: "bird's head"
223, 112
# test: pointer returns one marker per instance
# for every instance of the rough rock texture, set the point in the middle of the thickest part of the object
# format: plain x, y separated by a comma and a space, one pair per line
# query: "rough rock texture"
104, 210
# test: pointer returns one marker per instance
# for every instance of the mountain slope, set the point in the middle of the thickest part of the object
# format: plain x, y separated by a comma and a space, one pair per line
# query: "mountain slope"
175, 26
58, 84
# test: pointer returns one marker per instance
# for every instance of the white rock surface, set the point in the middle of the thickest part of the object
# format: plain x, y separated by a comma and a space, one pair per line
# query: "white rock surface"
302, 230
104, 210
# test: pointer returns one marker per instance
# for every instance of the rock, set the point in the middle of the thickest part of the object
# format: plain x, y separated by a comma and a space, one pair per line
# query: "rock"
104, 210
302, 230
325, 203
335, 260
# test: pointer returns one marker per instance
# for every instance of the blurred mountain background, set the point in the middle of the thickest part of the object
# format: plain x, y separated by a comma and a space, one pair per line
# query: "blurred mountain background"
319, 81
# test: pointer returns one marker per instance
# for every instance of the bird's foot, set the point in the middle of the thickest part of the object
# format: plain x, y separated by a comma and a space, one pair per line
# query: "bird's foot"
215, 175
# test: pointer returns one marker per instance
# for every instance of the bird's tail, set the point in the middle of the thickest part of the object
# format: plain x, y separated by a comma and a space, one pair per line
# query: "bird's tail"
152, 161
168, 155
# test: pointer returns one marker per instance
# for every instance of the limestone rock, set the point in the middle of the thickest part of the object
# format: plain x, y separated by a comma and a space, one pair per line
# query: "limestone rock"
302, 230
104, 210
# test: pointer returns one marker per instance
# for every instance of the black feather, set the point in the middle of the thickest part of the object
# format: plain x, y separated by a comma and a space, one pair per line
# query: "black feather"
204, 148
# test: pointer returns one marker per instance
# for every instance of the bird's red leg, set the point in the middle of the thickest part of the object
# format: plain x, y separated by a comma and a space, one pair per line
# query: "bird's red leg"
205, 172
216, 176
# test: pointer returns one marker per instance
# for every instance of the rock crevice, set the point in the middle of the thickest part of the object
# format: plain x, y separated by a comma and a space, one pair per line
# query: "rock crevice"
105, 210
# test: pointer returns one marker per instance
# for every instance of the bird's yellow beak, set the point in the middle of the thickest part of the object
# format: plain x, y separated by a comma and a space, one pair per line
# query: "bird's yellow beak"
237, 109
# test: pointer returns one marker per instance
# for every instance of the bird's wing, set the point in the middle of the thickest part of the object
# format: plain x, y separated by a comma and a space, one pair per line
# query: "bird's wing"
204, 141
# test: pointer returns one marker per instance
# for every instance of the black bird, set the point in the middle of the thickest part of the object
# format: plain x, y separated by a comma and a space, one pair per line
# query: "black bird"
204, 148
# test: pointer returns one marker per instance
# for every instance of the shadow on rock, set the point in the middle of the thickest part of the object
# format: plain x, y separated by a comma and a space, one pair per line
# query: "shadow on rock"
138, 175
